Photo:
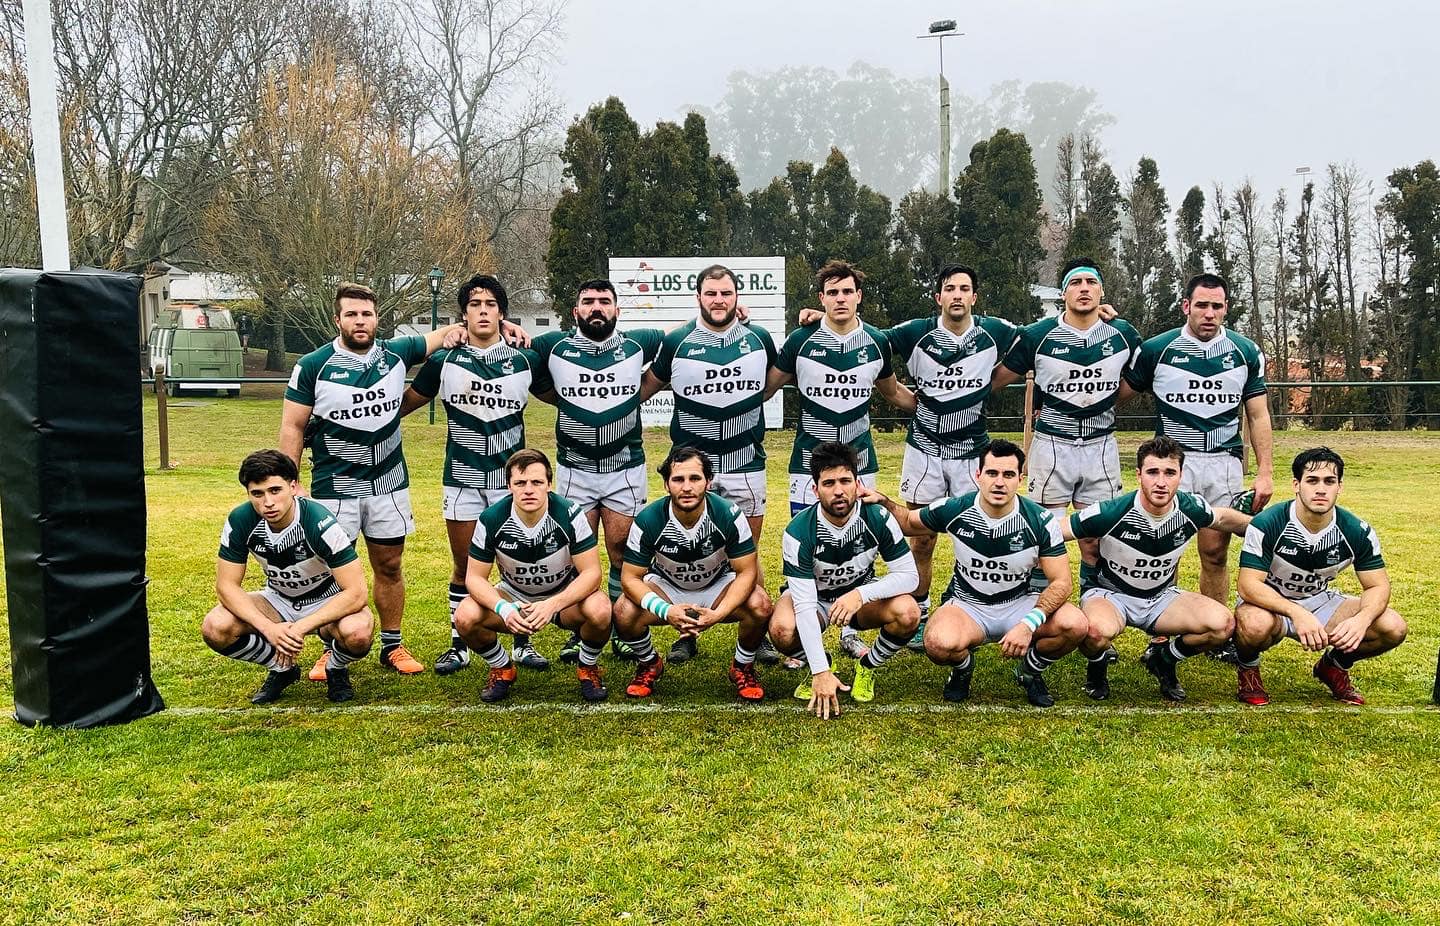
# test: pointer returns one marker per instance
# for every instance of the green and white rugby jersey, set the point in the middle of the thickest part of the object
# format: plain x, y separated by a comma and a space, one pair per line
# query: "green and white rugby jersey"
535, 561
1139, 554
718, 378
689, 558
994, 558
298, 560
1077, 373
484, 392
835, 376
1199, 386
597, 428
952, 381
354, 428
841, 559
1299, 564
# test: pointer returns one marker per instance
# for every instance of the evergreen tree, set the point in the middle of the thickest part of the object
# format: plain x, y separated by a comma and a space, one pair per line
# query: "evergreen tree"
997, 206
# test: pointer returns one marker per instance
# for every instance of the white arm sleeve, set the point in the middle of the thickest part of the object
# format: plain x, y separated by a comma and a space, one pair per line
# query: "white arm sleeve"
807, 623
902, 579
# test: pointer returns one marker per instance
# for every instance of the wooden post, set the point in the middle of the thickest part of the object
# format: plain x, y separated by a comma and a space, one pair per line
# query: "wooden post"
1029, 429
1245, 440
162, 410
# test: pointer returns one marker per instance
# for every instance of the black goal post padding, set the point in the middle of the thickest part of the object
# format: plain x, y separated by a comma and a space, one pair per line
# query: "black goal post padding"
72, 497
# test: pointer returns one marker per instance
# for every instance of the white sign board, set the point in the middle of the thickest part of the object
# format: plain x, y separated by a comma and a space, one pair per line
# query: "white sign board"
659, 292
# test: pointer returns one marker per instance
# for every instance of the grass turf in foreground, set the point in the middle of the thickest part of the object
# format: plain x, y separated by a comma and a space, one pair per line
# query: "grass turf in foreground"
697, 818
405, 809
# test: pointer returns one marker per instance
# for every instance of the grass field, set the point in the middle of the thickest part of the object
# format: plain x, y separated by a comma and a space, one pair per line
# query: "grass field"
417, 805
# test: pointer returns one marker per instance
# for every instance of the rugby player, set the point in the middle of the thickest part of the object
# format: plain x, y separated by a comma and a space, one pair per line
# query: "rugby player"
830, 550
1141, 536
549, 573
484, 385
314, 583
1291, 554
690, 562
1202, 374
1078, 359
343, 402
716, 366
836, 363
1000, 539
592, 374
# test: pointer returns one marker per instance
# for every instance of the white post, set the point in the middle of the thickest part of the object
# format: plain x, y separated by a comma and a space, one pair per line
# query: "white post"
45, 136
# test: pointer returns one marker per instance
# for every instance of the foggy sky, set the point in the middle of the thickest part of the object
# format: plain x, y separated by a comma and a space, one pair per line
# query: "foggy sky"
1215, 91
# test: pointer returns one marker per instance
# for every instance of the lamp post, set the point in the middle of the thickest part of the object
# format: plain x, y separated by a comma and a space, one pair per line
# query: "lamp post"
943, 29
436, 275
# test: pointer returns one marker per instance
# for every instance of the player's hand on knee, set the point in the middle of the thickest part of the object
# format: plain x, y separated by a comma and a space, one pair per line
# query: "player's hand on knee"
825, 688
707, 618
684, 618
1312, 635
843, 611
285, 640
538, 614
1016, 641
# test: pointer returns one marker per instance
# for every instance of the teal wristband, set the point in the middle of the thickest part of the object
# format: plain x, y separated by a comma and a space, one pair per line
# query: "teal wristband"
1034, 618
655, 605
505, 609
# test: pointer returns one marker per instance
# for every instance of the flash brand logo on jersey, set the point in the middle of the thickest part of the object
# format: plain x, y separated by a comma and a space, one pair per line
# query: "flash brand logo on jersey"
1129, 535
1287, 551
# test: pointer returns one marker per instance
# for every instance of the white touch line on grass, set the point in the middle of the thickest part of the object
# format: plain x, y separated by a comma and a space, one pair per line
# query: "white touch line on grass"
632, 707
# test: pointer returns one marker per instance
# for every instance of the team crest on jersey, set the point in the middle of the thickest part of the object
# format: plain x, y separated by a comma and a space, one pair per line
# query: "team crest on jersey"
507, 367
619, 354
744, 347
552, 543
1332, 556
1107, 349
862, 355
1017, 543
1228, 362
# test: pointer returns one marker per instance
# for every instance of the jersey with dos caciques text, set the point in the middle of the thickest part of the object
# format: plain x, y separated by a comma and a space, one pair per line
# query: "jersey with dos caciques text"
297, 560
718, 378
1199, 386
536, 561
841, 558
484, 391
354, 428
994, 557
1299, 564
1077, 373
690, 558
1140, 553
835, 376
597, 385
952, 381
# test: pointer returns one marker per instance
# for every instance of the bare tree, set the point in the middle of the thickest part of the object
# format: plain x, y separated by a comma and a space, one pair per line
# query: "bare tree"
1250, 244
1067, 176
1389, 327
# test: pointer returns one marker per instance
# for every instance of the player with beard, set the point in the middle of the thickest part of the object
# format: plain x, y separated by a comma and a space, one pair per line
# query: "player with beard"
1141, 536
1292, 553
716, 366
343, 401
592, 374
1001, 539
830, 550
690, 562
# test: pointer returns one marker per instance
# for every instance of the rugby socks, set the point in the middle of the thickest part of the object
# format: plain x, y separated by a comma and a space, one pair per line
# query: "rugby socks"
496, 656
884, 647
1345, 661
965, 664
457, 595
389, 639
252, 647
1177, 650
643, 646
340, 657
590, 652
743, 656
612, 584
1035, 662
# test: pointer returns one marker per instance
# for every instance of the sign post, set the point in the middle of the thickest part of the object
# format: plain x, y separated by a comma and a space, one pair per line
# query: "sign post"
45, 136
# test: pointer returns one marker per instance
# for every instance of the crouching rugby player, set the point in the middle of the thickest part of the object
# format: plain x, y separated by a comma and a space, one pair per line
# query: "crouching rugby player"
314, 583
549, 573
830, 550
690, 562
1000, 539
1142, 536
1292, 553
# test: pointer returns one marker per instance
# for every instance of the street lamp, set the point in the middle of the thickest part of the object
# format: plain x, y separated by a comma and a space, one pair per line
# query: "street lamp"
943, 29
436, 275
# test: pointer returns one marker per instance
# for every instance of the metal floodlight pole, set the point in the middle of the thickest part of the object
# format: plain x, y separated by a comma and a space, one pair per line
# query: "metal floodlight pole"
45, 136
943, 29
435, 276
